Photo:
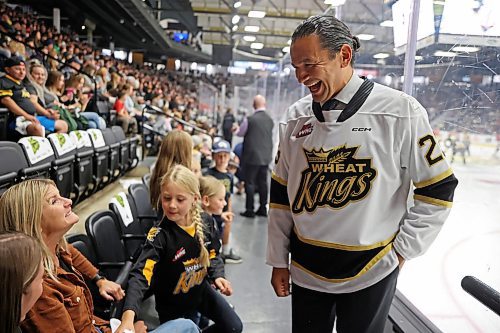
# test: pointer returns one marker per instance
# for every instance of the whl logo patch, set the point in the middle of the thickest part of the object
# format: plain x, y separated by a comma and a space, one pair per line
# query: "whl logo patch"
179, 254
305, 130
333, 178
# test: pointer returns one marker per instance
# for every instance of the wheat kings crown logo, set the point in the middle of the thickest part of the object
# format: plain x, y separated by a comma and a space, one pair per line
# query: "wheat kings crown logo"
333, 178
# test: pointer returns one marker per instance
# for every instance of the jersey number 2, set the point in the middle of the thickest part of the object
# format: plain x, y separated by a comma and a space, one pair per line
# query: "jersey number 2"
428, 156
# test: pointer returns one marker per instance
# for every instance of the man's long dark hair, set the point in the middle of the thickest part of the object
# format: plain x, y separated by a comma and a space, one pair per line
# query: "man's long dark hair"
332, 34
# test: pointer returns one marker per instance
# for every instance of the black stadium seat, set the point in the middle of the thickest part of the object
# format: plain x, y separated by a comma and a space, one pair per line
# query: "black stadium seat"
146, 179
114, 153
13, 160
132, 232
101, 227
63, 168
39, 156
83, 166
145, 212
4, 117
82, 243
125, 158
101, 175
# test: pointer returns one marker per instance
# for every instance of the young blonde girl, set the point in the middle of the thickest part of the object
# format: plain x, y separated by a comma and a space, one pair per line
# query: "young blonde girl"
175, 261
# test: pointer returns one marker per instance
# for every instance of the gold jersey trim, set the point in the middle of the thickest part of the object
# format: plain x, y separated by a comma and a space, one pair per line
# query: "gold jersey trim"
343, 246
435, 179
279, 180
365, 269
147, 271
433, 201
278, 206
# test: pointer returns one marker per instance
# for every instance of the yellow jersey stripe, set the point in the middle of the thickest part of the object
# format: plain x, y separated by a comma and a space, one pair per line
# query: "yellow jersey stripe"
434, 180
278, 179
278, 206
343, 246
147, 271
433, 201
365, 269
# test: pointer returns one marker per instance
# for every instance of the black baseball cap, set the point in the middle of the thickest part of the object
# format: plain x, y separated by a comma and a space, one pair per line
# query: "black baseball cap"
13, 61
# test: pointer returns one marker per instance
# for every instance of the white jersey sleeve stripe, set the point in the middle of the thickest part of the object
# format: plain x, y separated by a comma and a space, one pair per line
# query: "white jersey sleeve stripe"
433, 201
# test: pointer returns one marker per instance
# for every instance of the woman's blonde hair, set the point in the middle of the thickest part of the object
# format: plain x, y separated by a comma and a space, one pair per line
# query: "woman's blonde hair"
187, 180
20, 258
21, 208
176, 148
210, 186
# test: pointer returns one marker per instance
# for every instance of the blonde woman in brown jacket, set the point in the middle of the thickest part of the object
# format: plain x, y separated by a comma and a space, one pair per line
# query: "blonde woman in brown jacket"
36, 208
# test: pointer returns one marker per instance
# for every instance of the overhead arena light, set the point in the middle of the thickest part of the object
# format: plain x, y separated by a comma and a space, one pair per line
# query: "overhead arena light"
257, 46
235, 27
381, 55
249, 38
286, 49
467, 49
289, 42
252, 28
365, 36
445, 54
335, 3
237, 4
256, 14
387, 23
235, 19
418, 58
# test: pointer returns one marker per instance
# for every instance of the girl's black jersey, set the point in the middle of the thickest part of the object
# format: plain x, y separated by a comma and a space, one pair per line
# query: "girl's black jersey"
170, 265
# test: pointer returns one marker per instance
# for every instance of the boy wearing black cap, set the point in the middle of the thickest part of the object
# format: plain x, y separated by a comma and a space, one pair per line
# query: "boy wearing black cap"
23, 116
221, 151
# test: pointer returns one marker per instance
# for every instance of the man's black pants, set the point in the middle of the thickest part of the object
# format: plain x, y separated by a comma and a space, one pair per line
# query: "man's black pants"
255, 176
363, 311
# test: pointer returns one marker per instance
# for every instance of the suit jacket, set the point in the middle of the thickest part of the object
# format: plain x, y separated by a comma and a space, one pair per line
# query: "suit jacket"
258, 142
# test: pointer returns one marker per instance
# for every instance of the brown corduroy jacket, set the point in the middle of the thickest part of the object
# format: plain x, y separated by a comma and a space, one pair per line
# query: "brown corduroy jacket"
66, 304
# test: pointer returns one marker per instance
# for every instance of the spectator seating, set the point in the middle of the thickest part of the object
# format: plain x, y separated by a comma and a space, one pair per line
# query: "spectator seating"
114, 153
132, 232
101, 151
101, 227
146, 179
39, 153
145, 212
4, 117
125, 157
102, 308
84, 166
63, 167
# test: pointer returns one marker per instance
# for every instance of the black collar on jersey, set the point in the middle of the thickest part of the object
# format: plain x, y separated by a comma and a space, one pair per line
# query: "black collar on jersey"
351, 108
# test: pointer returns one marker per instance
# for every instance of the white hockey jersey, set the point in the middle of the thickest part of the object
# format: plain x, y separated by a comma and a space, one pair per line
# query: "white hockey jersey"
339, 191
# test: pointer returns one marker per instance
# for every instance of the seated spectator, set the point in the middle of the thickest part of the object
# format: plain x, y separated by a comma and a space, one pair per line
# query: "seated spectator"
23, 117
21, 273
128, 122
35, 208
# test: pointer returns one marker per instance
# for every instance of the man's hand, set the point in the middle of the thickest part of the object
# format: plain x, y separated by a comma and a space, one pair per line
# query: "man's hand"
110, 290
224, 286
140, 327
281, 281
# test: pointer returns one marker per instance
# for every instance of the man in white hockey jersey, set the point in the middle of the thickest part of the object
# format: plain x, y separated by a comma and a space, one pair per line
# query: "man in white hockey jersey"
339, 224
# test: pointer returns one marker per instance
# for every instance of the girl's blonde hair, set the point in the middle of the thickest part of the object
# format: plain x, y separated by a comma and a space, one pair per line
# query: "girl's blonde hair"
210, 186
21, 208
20, 257
187, 180
176, 148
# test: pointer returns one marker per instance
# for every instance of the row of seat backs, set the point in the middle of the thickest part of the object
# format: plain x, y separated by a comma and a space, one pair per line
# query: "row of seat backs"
53, 157
4, 117
117, 234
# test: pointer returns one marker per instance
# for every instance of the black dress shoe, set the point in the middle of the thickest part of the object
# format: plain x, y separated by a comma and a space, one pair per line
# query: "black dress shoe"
261, 213
247, 214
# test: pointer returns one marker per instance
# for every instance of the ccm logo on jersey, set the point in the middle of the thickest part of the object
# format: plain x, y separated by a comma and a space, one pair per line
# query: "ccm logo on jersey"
361, 129
305, 130
179, 254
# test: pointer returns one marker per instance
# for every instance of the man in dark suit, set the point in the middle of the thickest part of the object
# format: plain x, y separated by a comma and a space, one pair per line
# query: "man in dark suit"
257, 154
